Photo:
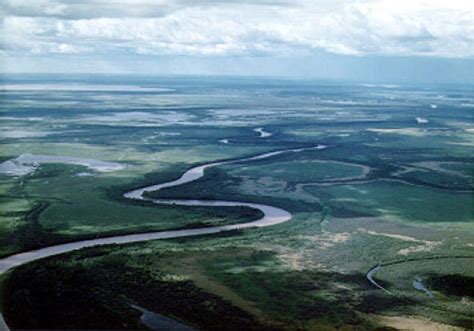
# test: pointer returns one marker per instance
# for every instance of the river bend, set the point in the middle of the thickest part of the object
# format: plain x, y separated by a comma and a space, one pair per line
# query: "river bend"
271, 216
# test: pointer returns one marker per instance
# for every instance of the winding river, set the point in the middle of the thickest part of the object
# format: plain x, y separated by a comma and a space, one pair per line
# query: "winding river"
271, 216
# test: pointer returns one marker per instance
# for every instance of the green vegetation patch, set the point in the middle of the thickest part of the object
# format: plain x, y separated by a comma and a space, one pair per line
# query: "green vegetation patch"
452, 284
97, 292
411, 203
58, 206
291, 297
301, 171
12, 213
217, 184
442, 179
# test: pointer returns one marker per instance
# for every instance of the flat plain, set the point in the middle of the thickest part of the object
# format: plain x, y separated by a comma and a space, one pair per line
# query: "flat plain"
391, 190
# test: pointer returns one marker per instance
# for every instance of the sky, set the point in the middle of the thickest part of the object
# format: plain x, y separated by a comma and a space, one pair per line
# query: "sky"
364, 40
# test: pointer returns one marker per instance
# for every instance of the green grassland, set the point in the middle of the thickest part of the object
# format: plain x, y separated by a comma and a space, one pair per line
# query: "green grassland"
393, 199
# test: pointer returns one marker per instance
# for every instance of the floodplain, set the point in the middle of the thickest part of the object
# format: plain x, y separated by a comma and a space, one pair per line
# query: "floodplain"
388, 192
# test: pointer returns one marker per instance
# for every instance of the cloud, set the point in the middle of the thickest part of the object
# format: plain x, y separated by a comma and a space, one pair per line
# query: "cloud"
77, 9
437, 28
87, 9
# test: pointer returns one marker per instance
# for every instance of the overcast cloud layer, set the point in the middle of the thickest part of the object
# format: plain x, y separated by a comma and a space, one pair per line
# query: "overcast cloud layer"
435, 28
